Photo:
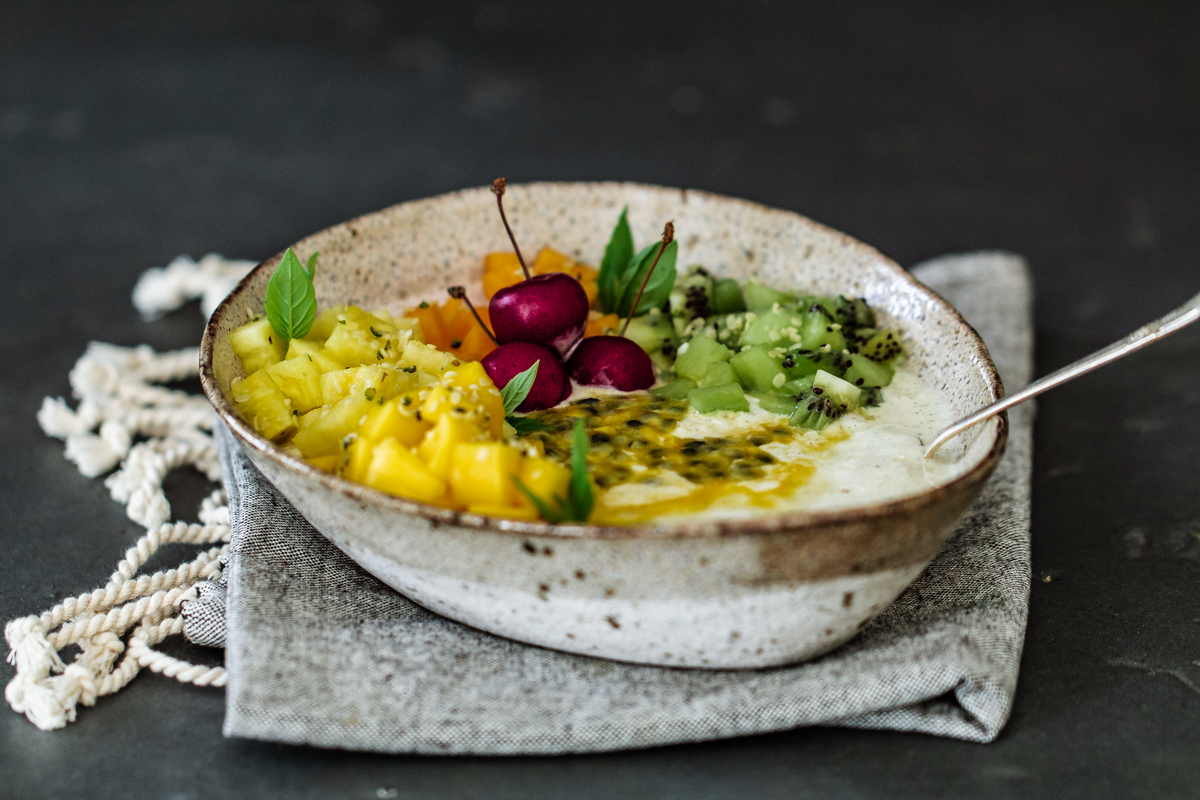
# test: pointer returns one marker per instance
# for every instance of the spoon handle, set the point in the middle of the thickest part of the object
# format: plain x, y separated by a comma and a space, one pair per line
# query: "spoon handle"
1181, 317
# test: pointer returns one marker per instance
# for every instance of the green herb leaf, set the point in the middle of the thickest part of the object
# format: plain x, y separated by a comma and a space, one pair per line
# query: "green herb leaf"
661, 282
311, 267
548, 512
517, 389
616, 260
291, 300
526, 424
580, 498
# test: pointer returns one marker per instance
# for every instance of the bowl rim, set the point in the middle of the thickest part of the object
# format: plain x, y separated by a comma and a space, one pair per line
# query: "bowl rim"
768, 523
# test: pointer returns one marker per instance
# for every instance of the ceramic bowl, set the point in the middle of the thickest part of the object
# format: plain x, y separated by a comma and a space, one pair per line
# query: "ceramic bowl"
771, 590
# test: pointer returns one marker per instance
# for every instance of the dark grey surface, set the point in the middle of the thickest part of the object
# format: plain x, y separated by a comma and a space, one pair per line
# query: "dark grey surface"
130, 133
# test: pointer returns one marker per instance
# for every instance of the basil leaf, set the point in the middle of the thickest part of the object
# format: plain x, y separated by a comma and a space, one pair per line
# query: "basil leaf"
580, 497
517, 389
661, 282
548, 513
311, 267
526, 424
291, 301
617, 256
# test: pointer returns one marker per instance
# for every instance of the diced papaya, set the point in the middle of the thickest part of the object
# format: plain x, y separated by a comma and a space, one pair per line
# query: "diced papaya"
437, 449
360, 338
393, 420
431, 324
482, 474
323, 325
299, 379
397, 470
314, 352
545, 478
505, 261
476, 344
323, 436
257, 345
264, 406
527, 513
601, 324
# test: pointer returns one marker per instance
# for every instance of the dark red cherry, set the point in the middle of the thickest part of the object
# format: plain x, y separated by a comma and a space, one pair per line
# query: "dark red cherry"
509, 360
550, 309
611, 361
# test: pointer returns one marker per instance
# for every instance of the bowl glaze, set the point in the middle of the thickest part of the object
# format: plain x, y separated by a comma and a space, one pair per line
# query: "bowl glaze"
771, 590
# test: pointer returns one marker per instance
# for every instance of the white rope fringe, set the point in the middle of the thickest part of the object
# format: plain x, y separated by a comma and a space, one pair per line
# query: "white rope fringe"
118, 403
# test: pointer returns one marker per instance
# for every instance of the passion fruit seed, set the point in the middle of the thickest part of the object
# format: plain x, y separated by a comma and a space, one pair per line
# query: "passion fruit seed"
614, 457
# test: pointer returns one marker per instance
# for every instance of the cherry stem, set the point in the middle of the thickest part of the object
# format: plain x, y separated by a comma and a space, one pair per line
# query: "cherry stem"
668, 237
459, 293
498, 187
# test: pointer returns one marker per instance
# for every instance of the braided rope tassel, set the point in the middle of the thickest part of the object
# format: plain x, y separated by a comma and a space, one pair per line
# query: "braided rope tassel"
118, 401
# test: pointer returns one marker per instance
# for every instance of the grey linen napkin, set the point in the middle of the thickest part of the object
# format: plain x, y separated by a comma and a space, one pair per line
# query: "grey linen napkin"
319, 652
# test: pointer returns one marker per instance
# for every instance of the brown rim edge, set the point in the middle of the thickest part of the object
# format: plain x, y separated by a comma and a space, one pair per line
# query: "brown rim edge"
766, 524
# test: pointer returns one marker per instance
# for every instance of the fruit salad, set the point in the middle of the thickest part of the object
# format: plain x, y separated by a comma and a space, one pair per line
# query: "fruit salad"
631, 380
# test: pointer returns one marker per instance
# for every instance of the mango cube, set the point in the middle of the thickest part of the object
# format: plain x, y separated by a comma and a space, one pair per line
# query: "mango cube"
392, 420
482, 474
358, 458
437, 448
545, 478
395, 469
257, 345
528, 513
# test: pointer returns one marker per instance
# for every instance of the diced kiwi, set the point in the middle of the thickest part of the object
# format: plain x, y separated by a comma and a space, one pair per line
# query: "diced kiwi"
651, 331
718, 373
827, 303
865, 373
819, 330
757, 370
783, 404
884, 345
692, 295
854, 312
762, 298
830, 398
782, 327
798, 386
727, 297
799, 363
727, 397
696, 353
729, 329
676, 389
845, 394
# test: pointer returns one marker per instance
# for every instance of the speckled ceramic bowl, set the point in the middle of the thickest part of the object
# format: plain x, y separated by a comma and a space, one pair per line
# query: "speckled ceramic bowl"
772, 590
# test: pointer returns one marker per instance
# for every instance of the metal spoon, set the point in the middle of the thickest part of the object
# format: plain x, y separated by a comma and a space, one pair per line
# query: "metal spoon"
1181, 317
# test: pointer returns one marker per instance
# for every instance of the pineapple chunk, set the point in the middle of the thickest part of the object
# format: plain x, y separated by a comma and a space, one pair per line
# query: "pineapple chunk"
257, 345
302, 348
359, 338
438, 446
545, 478
428, 358
399, 380
299, 379
482, 474
412, 325
356, 380
324, 323
264, 406
395, 469
323, 436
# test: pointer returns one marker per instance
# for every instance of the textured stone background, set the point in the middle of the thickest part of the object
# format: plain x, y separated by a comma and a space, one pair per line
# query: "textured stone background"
131, 132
